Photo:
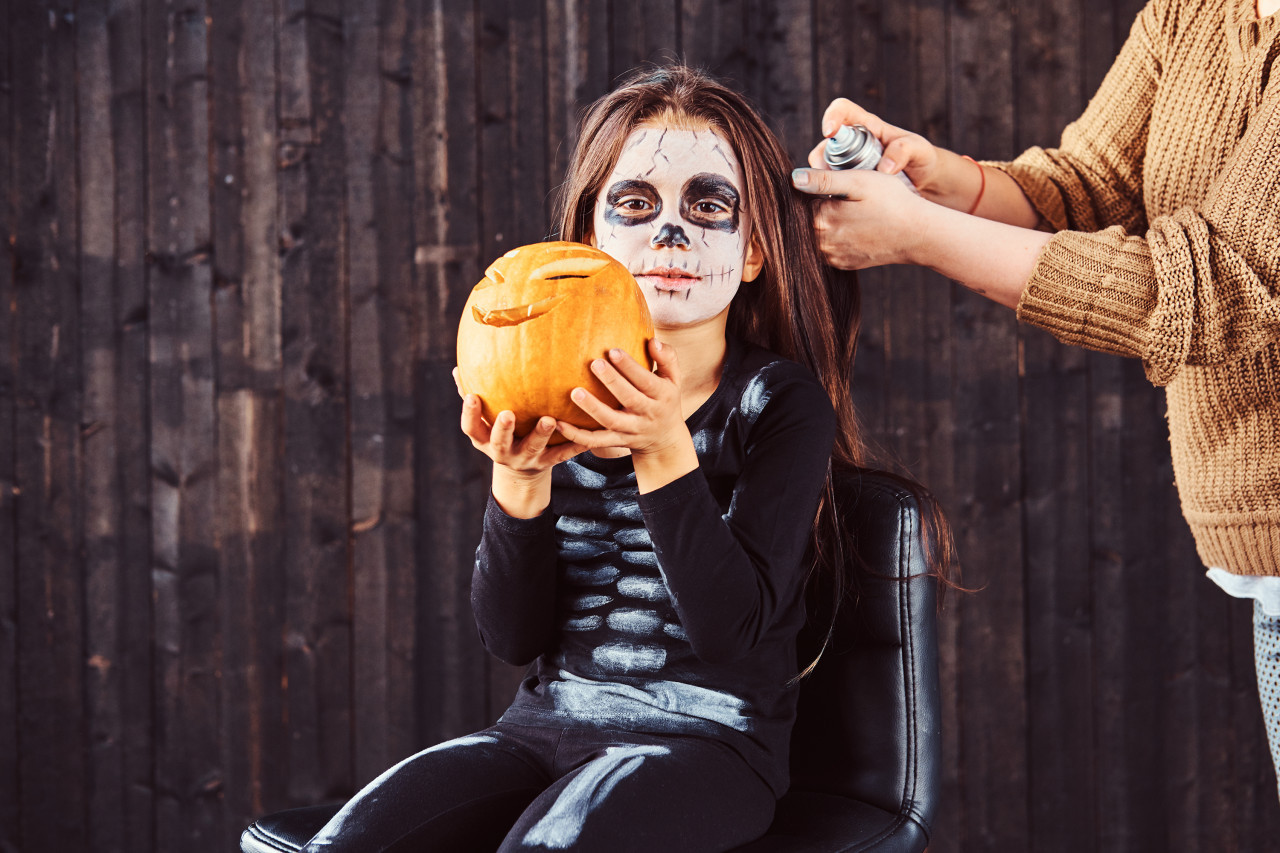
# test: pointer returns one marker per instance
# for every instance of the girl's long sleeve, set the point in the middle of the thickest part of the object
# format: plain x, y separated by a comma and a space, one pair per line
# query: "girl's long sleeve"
513, 585
729, 572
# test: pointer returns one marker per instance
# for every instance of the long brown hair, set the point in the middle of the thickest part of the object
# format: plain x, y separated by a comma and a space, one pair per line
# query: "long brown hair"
798, 307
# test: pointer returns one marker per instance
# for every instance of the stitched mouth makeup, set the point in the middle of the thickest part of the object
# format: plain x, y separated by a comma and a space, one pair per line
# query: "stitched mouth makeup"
669, 278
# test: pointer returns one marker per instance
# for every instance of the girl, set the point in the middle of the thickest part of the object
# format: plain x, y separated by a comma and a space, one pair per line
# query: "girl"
656, 581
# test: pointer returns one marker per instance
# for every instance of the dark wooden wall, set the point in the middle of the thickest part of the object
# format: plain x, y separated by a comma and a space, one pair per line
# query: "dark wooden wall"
237, 515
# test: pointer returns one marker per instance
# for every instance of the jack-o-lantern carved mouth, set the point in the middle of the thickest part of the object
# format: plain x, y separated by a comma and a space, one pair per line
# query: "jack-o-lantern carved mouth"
561, 268
518, 314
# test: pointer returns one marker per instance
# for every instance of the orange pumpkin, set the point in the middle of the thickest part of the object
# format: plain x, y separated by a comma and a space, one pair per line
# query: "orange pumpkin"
533, 324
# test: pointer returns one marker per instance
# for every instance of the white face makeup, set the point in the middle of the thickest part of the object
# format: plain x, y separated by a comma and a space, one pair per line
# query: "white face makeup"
671, 212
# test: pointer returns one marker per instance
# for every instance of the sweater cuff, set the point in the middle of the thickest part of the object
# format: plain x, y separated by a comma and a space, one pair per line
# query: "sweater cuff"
1093, 290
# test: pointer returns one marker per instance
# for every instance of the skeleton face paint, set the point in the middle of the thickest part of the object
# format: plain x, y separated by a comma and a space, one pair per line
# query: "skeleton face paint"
671, 211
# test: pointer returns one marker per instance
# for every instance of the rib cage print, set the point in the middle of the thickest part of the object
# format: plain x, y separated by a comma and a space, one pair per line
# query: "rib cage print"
624, 657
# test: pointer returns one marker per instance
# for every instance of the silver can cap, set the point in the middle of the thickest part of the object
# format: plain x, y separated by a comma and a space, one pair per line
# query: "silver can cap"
852, 148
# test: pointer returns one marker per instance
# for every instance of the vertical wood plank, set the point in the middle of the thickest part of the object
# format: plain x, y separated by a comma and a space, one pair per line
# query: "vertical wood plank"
133, 461
450, 479
782, 81
376, 85
100, 352
714, 37
514, 188
10, 685
46, 432
642, 34
1055, 405
183, 447
846, 64
990, 638
385, 307
253, 735
576, 47
314, 332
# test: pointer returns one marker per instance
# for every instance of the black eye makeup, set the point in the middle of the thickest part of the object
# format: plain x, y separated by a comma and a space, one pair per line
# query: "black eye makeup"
632, 202
710, 201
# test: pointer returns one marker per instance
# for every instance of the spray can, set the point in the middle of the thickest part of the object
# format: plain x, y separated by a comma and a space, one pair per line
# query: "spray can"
856, 148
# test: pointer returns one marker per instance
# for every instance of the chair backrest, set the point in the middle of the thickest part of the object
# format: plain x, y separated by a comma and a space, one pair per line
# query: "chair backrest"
868, 725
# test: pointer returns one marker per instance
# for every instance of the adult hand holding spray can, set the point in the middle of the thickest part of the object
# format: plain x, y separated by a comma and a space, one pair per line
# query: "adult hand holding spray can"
856, 148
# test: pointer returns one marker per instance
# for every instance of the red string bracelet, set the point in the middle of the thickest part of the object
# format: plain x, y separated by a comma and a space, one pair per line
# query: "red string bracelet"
981, 187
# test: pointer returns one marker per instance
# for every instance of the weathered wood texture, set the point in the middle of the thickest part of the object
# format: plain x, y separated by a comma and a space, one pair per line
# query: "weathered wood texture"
237, 517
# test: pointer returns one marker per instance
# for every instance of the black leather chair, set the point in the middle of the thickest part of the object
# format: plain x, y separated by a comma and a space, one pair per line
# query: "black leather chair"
866, 751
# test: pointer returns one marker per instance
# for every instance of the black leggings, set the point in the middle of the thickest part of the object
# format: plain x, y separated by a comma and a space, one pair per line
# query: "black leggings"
512, 788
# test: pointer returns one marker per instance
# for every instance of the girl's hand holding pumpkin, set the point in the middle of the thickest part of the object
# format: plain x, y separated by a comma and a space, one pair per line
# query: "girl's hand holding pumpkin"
521, 466
650, 423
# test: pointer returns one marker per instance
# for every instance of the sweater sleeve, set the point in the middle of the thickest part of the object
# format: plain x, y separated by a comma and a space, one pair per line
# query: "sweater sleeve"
1193, 291
729, 574
1198, 288
1193, 287
513, 585
1093, 179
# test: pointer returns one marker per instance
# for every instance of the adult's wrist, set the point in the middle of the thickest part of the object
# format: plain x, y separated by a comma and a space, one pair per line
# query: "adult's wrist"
958, 183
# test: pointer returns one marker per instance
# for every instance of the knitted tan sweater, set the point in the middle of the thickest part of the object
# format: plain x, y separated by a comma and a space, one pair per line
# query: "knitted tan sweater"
1166, 198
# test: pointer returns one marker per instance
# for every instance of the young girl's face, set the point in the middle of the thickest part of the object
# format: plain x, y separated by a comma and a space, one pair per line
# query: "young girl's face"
671, 212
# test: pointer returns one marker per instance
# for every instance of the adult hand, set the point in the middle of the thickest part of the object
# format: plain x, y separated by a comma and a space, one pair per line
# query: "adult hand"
904, 151
870, 219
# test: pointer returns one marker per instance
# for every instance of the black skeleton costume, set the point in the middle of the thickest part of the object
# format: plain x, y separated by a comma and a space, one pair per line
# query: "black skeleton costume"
674, 611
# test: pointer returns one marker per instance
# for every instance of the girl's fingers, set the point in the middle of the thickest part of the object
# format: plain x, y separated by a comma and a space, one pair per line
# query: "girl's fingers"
456, 383
590, 438
536, 441
606, 416
640, 377
624, 391
666, 365
503, 433
561, 452
473, 425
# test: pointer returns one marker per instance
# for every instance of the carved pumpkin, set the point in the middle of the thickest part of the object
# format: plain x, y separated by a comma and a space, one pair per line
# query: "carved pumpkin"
536, 320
